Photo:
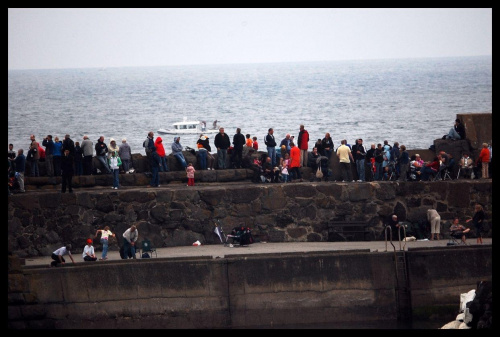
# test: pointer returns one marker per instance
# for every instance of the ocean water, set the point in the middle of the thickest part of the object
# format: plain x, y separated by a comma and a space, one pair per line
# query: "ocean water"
412, 101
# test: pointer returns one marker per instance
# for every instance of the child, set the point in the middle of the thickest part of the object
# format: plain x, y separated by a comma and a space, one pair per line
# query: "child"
284, 170
88, 252
190, 174
255, 144
114, 163
249, 141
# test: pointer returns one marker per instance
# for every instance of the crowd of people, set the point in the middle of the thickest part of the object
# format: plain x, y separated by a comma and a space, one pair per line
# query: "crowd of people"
67, 158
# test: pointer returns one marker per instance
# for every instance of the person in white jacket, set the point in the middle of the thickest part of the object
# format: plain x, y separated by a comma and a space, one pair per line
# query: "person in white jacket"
435, 219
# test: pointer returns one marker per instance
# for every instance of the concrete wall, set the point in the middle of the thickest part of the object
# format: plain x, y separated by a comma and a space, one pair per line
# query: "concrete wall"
236, 291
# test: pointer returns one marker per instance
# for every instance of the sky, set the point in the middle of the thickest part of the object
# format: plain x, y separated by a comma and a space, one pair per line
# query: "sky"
53, 38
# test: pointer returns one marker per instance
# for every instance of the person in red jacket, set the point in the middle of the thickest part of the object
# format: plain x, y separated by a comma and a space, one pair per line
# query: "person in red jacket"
302, 144
484, 159
294, 171
161, 152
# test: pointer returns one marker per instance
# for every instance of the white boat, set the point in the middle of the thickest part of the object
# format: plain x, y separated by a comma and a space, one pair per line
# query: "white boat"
190, 128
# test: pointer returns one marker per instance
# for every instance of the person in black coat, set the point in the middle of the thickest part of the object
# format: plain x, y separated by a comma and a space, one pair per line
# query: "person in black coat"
67, 171
238, 142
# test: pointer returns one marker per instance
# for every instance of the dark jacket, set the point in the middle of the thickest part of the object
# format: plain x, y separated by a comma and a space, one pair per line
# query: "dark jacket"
101, 148
20, 163
459, 128
238, 141
361, 149
67, 164
205, 143
78, 154
379, 155
68, 144
49, 146
269, 140
222, 141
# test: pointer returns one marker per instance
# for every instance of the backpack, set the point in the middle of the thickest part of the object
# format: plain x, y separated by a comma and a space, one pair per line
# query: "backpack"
145, 144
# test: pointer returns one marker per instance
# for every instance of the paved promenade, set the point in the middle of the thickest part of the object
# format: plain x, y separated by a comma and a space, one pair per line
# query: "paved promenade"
220, 251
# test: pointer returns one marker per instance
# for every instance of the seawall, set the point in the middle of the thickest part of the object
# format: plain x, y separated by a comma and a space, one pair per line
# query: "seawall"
247, 291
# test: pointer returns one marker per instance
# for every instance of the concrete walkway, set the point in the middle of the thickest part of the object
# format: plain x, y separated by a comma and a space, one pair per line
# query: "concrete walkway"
221, 251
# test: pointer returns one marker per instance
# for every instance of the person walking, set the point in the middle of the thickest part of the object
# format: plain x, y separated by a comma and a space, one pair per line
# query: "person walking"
105, 235
478, 220
222, 143
88, 252
130, 237
190, 174
303, 143
435, 219
88, 151
114, 163
67, 171
271, 146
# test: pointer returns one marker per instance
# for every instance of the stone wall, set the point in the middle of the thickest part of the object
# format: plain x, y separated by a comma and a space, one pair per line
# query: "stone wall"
39, 223
245, 291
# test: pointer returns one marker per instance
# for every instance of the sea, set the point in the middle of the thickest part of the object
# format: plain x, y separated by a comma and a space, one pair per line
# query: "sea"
410, 101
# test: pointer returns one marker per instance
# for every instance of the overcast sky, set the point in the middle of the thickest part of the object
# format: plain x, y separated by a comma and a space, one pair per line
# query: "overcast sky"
83, 38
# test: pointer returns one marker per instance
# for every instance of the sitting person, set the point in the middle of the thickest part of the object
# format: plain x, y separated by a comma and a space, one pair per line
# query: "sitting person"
458, 231
430, 169
177, 152
466, 166
270, 173
88, 252
312, 159
453, 133
257, 170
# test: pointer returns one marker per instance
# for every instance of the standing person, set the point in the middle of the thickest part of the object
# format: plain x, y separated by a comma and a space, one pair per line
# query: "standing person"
248, 140
148, 145
255, 144
105, 235
49, 155
57, 156
238, 142
160, 149
359, 156
345, 158
404, 162
11, 154
303, 143
34, 172
130, 237
88, 151
78, 159
177, 152
478, 220
369, 162
294, 171
222, 143
19, 167
327, 145
125, 154
435, 219
114, 163
484, 158
88, 252
190, 174
203, 148
284, 167
68, 144
466, 165
395, 154
379, 162
67, 171
101, 149
155, 168
58, 254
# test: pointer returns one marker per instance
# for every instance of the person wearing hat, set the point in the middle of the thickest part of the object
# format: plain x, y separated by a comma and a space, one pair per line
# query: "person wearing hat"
177, 152
88, 252
202, 144
58, 258
112, 147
